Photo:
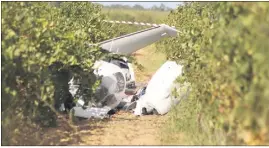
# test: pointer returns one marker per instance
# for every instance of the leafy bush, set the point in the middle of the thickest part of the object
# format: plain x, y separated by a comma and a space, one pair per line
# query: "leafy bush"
224, 49
36, 35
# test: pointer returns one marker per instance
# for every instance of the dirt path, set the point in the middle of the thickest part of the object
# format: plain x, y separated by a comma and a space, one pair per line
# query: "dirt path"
123, 128
126, 129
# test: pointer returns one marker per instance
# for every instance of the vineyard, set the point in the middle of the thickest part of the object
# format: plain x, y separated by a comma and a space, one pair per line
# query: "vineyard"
223, 47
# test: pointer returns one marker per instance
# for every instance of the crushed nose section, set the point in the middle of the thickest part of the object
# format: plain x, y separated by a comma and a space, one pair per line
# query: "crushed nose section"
107, 96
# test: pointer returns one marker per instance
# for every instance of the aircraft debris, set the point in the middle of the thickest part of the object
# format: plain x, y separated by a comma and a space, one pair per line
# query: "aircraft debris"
117, 79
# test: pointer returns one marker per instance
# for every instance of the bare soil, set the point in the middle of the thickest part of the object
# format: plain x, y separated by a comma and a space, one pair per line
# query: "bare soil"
122, 128
126, 129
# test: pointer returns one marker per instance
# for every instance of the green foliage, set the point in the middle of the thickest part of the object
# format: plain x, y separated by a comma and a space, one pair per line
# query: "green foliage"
34, 36
224, 49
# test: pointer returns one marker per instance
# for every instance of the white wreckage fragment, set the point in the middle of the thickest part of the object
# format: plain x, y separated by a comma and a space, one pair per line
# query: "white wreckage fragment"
91, 112
158, 92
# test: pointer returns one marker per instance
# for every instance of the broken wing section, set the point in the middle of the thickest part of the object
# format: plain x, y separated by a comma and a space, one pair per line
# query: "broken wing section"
128, 44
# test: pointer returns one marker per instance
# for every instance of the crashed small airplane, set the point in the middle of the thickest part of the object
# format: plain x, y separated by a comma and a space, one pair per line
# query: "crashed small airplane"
117, 76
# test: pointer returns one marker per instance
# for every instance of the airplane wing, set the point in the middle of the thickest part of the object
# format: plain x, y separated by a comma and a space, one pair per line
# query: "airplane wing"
128, 44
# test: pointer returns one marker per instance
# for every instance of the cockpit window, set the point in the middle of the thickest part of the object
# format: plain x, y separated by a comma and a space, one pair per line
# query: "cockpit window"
120, 63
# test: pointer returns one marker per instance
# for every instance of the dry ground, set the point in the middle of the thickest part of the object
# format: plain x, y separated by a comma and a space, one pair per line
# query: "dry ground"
126, 129
121, 129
